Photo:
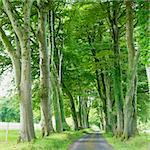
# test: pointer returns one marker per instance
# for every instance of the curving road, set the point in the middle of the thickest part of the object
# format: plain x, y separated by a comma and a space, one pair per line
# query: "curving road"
93, 141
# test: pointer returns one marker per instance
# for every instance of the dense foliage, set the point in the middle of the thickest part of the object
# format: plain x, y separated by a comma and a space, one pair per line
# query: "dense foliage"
84, 62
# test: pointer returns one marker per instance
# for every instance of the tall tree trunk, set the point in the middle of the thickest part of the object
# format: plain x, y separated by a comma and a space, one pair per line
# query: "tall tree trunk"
55, 93
130, 111
72, 104
44, 74
83, 113
109, 103
56, 102
133, 55
64, 123
17, 65
61, 103
118, 93
26, 114
15, 59
105, 102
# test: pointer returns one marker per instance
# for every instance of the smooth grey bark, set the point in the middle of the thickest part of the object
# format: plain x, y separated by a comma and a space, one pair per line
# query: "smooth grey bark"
86, 110
26, 117
64, 123
56, 103
26, 114
46, 114
130, 126
130, 113
57, 71
55, 79
17, 68
57, 111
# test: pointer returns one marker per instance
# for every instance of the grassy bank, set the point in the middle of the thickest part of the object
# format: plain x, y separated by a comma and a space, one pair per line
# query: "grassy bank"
56, 141
140, 142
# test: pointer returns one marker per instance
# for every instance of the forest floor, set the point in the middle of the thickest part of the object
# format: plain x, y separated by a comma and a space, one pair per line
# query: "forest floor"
62, 141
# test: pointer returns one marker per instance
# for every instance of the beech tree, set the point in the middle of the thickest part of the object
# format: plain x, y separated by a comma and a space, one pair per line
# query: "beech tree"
46, 112
22, 66
130, 108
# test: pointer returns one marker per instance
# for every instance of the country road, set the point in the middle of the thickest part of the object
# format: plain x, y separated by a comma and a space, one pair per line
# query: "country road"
93, 141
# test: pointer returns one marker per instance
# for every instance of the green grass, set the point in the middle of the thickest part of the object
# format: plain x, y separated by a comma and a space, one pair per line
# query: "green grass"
56, 141
139, 142
61, 141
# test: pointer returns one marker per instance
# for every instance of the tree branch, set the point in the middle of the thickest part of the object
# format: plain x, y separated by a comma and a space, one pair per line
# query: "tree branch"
9, 48
13, 19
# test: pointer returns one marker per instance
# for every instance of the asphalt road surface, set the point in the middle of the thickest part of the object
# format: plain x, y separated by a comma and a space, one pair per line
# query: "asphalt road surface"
93, 141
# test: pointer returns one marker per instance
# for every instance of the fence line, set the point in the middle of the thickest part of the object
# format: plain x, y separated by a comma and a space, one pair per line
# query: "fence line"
14, 126
11, 126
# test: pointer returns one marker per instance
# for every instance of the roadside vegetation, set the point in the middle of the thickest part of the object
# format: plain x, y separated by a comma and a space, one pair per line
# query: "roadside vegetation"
62, 141
56, 141
139, 142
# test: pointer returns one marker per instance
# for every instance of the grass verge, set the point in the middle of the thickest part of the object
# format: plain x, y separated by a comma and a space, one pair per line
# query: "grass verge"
56, 141
139, 142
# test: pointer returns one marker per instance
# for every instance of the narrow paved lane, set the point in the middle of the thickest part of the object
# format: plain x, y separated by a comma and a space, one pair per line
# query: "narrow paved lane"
93, 141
